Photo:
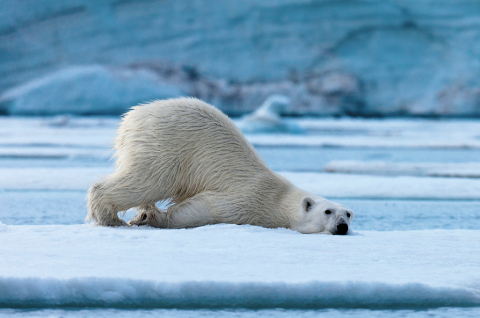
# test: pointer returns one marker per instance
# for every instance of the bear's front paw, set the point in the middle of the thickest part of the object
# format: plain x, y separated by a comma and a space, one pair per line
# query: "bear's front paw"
153, 218
139, 219
115, 223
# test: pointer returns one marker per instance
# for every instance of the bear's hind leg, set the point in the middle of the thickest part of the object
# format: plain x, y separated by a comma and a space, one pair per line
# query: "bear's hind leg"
119, 192
149, 214
100, 209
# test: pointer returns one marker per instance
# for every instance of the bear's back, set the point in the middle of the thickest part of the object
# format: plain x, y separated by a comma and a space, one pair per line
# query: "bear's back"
188, 141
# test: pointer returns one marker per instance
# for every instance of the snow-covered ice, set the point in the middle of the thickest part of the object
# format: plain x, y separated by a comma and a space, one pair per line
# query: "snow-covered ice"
371, 133
55, 152
416, 244
50, 178
381, 187
464, 169
323, 184
374, 133
236, 266
434, 142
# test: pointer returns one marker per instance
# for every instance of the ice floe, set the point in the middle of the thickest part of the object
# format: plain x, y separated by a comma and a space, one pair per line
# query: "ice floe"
464, 169
236, 266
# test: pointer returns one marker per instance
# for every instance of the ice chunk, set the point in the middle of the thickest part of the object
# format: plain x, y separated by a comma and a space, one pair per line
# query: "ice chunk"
267, 118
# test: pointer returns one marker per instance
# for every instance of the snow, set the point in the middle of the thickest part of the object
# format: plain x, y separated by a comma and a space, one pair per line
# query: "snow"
61, 178
50, 132
466, 170
236, 266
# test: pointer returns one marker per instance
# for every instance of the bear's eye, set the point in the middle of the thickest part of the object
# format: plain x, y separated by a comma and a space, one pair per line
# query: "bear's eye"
328, 212
348, 215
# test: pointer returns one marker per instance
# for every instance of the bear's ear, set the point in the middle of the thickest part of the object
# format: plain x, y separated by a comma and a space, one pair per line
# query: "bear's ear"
307, 204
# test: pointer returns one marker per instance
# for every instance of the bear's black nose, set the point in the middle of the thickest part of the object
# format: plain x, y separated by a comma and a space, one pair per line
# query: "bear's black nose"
342, 229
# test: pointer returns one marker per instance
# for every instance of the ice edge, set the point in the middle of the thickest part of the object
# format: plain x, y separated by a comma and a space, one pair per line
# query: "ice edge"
123, 293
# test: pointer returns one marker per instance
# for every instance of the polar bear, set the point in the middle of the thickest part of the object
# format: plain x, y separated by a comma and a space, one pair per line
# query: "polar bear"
190, 154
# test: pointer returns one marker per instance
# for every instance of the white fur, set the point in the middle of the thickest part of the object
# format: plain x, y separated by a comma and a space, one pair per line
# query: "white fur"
189, 153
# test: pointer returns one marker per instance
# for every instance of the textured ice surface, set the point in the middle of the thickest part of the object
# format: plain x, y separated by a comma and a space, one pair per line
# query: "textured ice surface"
236, 266
91, 90
378, 56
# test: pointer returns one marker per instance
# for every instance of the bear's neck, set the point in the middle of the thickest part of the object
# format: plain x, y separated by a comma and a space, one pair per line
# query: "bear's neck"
282, 201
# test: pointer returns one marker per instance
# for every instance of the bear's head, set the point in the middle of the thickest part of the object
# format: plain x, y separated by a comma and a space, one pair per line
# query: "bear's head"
319, 215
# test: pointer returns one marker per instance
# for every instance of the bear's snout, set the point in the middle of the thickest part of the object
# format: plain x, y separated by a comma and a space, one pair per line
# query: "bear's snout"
342, 228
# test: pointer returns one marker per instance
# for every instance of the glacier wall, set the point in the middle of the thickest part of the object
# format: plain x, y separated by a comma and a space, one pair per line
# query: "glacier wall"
362, 57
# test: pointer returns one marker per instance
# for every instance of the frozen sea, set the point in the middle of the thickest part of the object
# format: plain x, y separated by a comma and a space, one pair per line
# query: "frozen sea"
415, 252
